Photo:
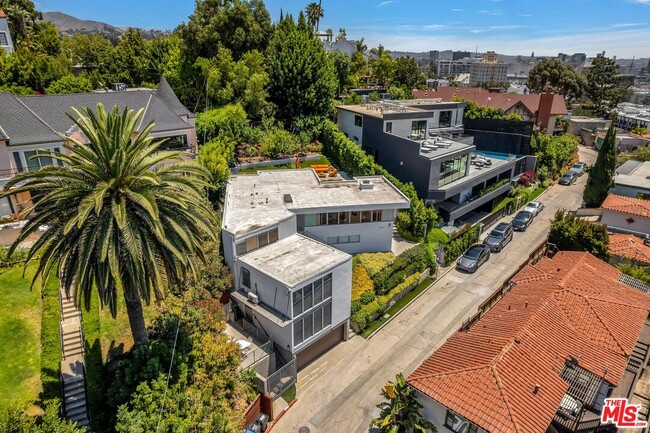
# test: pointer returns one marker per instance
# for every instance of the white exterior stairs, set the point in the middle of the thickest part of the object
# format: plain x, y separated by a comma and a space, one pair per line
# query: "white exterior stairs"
73, 372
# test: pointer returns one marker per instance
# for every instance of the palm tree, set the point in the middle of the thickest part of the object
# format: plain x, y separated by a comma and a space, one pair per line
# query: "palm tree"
402, 412
314, 13
124, 219
361, 47
330, 34
342, 34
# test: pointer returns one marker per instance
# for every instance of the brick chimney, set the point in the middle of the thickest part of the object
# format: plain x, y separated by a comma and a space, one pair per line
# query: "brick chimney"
544, 112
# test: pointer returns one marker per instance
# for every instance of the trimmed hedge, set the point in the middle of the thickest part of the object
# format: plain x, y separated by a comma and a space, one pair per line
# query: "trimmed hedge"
375, 262
457, 246
361, 282
416, 259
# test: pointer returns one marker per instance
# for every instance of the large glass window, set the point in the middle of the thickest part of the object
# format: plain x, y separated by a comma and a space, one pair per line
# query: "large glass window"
332, 218
355, 217
445, 119
327, 284
312, 295
245, 277
418, 129
453, 169
312, 323
297, 302
255, 242
297, 332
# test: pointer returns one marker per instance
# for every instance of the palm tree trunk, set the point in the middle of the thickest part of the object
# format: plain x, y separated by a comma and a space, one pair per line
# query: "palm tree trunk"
136, 318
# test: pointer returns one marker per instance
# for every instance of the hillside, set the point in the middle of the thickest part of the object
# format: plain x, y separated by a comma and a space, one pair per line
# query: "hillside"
69, 25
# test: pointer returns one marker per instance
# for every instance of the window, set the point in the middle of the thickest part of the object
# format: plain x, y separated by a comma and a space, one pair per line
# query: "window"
332, 218
418, 129
389, 127
273, 235
262, 239
19, 162
297, 332
327, 315
312, 323
240, 248
376, 215
355, 217
174, 143
318, 292
245, 278
307, 299
327, 284
308, 326
458, 424
3, 39
344, 217
297, 302
358, 120
445, 119
366, 216
255, 242
452, 169
251, 243
332, 240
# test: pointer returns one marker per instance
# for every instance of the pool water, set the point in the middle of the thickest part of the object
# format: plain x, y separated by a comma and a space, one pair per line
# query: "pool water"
494, 155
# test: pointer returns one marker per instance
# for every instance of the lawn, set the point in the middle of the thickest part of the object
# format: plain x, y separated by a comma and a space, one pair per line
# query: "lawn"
20, 333
321, 161
397, 307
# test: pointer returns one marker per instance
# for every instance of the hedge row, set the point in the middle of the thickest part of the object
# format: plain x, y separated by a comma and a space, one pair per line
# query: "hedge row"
369, 312
416, 259
457, 246
356, 162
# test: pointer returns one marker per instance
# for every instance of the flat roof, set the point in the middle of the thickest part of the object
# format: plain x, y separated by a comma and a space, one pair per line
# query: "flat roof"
435, 147
377, 110
634, 174
294, 260
267, 197
475, 172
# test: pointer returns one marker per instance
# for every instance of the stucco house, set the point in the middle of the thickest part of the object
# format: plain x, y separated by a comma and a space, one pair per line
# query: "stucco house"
626, 214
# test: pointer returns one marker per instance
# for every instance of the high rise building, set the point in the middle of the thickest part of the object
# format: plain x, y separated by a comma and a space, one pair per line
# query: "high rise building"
488, 70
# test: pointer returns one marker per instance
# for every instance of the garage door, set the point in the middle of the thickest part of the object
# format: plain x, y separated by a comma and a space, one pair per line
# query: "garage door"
317, 348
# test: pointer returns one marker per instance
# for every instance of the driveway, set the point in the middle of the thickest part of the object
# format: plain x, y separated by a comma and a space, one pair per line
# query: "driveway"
339, 391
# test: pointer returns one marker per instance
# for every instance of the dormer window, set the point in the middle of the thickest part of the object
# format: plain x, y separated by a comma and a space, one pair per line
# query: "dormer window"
3, 39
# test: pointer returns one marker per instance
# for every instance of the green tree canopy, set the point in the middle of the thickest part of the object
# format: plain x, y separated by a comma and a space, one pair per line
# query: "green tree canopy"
22, 16
314, 13
570, 233
601, 175
302, 81
342, 68
121, 221
70, 84
407, 73
603, 85
552, 74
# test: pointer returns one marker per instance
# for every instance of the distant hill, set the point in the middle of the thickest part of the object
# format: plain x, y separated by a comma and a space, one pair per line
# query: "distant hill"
69, 25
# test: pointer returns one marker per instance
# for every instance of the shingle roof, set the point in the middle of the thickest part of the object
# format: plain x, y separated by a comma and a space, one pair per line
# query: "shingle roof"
627, 205
504, 101
571, 305
34, 119
629, 247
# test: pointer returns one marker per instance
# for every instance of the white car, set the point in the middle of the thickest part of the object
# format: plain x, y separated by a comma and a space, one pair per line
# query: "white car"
535, 207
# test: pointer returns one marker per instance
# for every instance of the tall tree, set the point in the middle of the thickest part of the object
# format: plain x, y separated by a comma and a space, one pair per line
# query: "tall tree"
401, 413
302, 81
552, 74
360, 46
342, 68
314, 13
602, 85
120, 223
407, 73
570, 233
22, 16
342, 34
601, 175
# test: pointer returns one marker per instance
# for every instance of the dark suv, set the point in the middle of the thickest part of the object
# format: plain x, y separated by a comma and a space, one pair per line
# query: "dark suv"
499, 237
522, 220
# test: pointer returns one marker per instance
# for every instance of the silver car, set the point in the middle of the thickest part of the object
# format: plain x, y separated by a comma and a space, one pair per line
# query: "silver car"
535, 207
473, 258
579, 168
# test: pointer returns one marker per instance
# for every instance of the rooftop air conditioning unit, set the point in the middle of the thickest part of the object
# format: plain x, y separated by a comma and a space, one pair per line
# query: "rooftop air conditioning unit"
252, 297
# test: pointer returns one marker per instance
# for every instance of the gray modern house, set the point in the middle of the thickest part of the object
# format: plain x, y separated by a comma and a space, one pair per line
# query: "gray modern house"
422, 141
5, 36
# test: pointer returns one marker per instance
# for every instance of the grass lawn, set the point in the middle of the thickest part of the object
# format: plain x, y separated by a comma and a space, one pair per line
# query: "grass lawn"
290, 394
20, 334
397, 307
536, 193
321, 161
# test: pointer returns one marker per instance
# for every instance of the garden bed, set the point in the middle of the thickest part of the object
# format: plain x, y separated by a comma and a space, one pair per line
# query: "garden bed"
281, 164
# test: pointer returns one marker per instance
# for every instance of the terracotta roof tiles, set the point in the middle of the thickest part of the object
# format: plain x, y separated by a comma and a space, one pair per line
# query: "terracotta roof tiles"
2, 14
630, 247
627, 205
572, 305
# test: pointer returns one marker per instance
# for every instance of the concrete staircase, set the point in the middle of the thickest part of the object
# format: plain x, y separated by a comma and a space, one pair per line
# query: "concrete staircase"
73, 372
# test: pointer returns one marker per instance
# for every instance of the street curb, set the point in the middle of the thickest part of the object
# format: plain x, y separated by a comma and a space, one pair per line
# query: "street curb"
277, 418
438, 277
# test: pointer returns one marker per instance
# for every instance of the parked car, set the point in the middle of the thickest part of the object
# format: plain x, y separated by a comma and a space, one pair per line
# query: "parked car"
568, 178
579, 168
499, 237
473, 258
535, 207
522, 220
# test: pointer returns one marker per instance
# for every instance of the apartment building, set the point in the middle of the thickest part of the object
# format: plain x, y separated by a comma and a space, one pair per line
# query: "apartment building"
629, 116
288, 236
632, 179
422, 141
37, 124
571, 332
488, 70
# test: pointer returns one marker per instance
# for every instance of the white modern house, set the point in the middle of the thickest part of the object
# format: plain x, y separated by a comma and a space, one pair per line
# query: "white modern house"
633, 178
287, 239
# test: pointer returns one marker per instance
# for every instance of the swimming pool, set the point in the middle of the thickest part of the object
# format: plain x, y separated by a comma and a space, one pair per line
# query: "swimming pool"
494, 155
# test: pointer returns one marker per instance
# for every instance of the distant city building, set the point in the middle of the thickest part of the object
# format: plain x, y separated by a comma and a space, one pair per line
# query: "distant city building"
632, 178
459, 55
573, 60
630, 116
488, 70
5, 37
434, 56
453, 67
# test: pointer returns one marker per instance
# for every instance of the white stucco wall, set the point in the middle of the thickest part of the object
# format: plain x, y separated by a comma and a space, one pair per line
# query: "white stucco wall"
435, 413
345, 122
375, 237
618, 220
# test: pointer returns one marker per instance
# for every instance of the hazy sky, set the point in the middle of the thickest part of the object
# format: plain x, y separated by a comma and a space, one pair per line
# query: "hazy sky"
621, 27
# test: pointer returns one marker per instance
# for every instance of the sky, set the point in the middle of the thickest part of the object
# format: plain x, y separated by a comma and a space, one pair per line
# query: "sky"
545, 27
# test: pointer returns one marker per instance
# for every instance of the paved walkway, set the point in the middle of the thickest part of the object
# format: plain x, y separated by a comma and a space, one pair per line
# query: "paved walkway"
339, 391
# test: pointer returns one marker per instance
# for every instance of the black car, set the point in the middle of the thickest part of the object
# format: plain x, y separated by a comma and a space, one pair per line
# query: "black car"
568, 178
522, 220
473, 258
499, 237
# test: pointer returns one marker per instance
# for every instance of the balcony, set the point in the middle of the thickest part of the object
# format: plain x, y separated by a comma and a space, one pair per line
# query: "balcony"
457, 210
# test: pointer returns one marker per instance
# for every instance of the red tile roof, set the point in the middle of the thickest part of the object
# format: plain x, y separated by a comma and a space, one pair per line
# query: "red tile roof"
2, 14
627, 205
571, 305
629, 247
504, 101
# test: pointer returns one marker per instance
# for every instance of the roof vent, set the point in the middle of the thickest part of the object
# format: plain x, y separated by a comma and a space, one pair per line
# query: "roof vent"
288, 198
537, 388
366, 184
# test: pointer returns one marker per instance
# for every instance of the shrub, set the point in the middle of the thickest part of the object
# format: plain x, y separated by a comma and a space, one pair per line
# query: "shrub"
17, 256
375, 262
527, 177
356, 306
279, 143
438, 236
251, 135
456, 247
229, 121
367, 297
570, 233
413, 260
361, 283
